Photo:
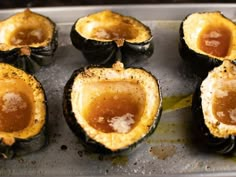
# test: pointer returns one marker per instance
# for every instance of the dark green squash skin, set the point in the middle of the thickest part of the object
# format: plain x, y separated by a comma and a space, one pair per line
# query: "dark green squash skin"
209, 142
26, 146
200, 64
39, 56
94, 51
98, 52
133, 53
90, 144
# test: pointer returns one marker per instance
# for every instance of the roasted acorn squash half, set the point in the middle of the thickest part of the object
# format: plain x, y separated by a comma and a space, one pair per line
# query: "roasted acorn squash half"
27, 40
207, 39
23, 112
104, 36
112, 110
214, 108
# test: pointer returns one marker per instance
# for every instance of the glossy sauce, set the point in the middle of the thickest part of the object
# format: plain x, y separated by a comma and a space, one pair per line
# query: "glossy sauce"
224, 108
27, 36
15, 106
107, 106
215, 40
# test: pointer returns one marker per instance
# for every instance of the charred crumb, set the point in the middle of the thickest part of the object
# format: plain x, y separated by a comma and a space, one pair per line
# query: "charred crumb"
33, 162
150, 150
80, 153
63, 147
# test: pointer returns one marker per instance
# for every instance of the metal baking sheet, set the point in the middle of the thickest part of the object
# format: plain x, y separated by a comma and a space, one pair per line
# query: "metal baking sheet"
171, 150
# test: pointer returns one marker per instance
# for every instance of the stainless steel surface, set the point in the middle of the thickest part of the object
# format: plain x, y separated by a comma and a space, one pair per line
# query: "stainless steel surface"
176, 153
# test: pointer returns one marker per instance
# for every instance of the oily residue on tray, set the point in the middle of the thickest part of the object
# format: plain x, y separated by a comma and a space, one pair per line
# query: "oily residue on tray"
120, 160
163, 152
173, 103
115, 160
170, 132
